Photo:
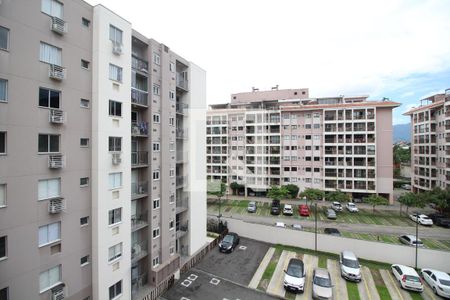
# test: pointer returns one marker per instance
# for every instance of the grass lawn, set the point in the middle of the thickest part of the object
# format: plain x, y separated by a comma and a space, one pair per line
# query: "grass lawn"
352, 290
415, 296
268, 272
379, 284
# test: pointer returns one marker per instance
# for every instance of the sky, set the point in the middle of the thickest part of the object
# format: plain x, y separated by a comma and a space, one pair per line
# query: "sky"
399, 49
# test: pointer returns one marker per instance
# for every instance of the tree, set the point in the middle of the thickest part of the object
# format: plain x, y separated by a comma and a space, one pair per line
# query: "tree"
337, 196
311, 194
235, 186
376, 200
411, 200
216, 189
293, 190
439, 197
278, 193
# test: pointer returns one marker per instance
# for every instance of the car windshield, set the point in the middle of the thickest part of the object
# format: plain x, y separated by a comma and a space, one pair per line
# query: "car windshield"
295, 270
351, 204
444, 282
425, 218
251, 204
228, 239
350, 263
412, 278
323, 282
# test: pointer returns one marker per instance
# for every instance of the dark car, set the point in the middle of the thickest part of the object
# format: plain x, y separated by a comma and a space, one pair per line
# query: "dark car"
440, 219
229, 242
275, 207
332, 231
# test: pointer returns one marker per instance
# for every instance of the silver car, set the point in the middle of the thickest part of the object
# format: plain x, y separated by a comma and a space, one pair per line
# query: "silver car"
251, 208
331, 214
322, 287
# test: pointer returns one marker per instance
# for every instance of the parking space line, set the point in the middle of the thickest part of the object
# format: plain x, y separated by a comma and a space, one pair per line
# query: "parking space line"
262, 267
428, 293
310, 262
276, 282
391, 285
340, 286
368, 284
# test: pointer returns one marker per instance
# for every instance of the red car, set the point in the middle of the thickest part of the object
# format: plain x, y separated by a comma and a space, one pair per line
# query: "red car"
303, 210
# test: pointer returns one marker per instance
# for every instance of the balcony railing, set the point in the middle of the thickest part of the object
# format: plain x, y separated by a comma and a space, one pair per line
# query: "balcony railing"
139, 128
56, 161
139, 220
182, 82
58, 25
56, 205
181, 133
139, 97
181, 181
182, 229
56, 116
139, 189
181, 108
139, 64
182, 204
139, 158
138, 250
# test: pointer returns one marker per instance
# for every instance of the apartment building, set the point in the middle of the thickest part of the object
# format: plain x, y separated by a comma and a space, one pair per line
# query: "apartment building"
99, 126
430, 143
277, 137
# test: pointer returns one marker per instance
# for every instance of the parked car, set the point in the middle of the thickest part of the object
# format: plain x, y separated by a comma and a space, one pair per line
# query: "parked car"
350, 267
406, 187
332, 231
294, 277
331, 214
421, 219
275, 207
440, 219
297, 227
280, 224
410, 240
407, 277
336, 206
287, 210
229, 242
351, 207
251, 208
303, 210
322, 287
438, 281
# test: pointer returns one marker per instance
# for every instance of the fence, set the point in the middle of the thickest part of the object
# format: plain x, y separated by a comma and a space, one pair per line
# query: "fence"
160, 289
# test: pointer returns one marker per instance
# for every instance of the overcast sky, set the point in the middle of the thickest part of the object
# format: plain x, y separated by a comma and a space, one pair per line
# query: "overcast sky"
395, 49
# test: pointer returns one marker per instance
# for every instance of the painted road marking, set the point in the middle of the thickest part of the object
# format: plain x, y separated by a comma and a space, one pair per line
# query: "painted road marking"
215, 281
310, 262
192, 277
276, 286
262, 267
186, 283
391, 285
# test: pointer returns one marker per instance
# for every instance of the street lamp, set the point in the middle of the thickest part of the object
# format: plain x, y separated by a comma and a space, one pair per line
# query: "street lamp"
417, 239
315, 226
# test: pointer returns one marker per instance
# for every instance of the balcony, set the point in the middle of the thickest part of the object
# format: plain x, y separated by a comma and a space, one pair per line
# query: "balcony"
139, 97
139, 64
139, 190
58, 25
57, 72
139, 221
56, 161
182, 82
56, 205
182, 204
139, 129
182, 229
181, 133
56, 116
137, 283
138, 251
181, 181
139, 159
181, 108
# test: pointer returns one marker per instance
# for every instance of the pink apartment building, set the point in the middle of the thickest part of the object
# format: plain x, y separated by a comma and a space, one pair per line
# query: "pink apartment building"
265, 138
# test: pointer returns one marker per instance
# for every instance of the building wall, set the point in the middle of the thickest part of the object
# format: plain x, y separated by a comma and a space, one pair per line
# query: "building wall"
384, 159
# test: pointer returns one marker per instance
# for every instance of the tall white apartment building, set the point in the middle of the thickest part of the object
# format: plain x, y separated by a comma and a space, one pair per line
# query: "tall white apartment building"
102, 155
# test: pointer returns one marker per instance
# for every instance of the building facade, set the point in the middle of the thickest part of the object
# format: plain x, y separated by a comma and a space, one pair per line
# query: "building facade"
430, 143
99, 126
277, 137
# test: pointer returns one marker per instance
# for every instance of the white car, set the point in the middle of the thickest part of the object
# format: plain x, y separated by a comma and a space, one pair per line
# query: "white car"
287, 210
421, 219
294, 277
407, 277
351, 207
350, 267
280, 224
336, 206
438, 281
410, 240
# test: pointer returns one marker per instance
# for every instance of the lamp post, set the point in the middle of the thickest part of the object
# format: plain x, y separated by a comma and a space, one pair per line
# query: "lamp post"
315, 226
417, 239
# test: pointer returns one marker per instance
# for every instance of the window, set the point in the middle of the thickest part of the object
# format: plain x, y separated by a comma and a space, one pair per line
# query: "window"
115, 290
4, 38
115, 252
156, 203
49, 278
156, 89
115, 73
50, 54
2, 195
53, 8
49, 188
85, 22
171, 224
49, 98
2, 142
84, 64
3, 90
84, 221
172, 146
156, 147
84, 103
115, 144
84, 260
48, 143
156, 118
172, 121
115, 35
84, 181
115, 180
155, 233
171, 95
115, 108
156, 59
156, 175
172, 67
4, 293
172, 250
172, 172
49, 233
115, 216
84, 142
3, 247
155, 262
172, 198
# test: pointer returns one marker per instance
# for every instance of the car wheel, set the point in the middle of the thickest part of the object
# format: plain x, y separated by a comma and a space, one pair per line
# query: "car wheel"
434, 290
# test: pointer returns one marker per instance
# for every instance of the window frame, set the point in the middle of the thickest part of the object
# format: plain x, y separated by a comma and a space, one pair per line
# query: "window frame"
156, 145
121, 180
156, 203
3, 187
6, 90
156, 118
5, 142
156, 230
5, 250
113, 108
49, 91
86, 223
47, 180
157, 58
85, 62
115, 288
7, 38
49, 143
59, 50
51, 285
117, 255
85, 22
156, 89
49, 242
85, 184
87, 144
83, 100
158, 172
113, 214
156, 258
115, 143
82, 264
119, 78
115, 30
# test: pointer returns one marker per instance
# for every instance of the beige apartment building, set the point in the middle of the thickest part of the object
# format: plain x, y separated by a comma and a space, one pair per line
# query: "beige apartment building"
277, 137
100, 126
430, 143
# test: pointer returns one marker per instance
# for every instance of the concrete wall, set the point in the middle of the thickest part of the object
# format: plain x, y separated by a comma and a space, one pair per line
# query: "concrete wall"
384, 160
382, 252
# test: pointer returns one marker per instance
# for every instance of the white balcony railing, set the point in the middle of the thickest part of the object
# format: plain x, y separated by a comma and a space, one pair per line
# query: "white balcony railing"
56, 161
57, 72
56, 116
56, 205
58, 25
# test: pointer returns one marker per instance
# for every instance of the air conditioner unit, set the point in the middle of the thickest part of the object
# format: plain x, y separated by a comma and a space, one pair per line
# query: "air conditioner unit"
56, 205
56, 116
55, 161
57, 72
58, 25
116, 159
58, 295
117, 48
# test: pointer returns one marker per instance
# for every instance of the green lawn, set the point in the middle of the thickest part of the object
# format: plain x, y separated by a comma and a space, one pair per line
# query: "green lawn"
268, 272
415, 296
352, 290
379, 284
